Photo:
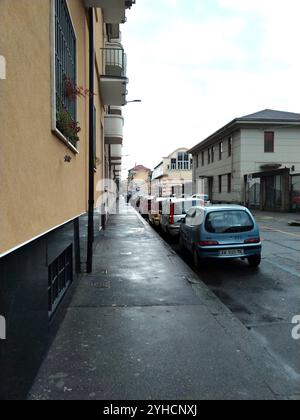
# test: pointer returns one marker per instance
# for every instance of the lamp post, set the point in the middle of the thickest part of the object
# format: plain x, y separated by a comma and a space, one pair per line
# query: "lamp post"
134, 101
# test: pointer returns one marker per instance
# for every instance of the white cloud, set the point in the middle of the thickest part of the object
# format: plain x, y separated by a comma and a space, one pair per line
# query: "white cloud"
197, 72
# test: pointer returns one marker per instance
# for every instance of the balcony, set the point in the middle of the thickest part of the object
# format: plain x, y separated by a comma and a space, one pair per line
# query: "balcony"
116, 154
114, 11
113, 80
113, 129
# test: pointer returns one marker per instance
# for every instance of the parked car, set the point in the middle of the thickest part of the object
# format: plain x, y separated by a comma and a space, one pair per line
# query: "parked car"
173, 213
145, 206
156, 210
203, 197
221, 232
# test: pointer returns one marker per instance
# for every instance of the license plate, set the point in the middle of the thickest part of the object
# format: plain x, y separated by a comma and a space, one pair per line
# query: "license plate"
231, 252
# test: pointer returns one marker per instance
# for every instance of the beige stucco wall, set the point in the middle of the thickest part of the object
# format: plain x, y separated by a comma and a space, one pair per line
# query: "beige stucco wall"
38, 191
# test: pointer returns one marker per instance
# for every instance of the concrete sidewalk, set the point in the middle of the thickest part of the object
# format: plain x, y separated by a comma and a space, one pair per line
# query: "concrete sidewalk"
143, 326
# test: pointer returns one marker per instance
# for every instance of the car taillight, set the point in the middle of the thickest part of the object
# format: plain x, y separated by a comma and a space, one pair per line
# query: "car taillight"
252, 241
172, 211
207, 243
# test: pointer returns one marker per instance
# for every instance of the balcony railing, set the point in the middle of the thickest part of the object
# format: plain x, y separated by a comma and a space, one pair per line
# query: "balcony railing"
114, 62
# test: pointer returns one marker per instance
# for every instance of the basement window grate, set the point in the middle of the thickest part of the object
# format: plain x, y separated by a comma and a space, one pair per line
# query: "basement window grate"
60, 277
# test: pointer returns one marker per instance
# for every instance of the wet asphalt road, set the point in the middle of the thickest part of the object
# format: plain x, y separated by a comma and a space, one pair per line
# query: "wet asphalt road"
265, 299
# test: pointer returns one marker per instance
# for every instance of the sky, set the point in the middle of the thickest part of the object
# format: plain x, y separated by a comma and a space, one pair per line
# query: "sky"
198, 64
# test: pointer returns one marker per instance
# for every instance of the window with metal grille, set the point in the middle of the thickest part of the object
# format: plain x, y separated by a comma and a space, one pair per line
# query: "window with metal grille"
65, 69
60, 277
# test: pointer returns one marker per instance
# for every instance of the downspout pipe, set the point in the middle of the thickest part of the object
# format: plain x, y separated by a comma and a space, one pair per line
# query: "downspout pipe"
91, 203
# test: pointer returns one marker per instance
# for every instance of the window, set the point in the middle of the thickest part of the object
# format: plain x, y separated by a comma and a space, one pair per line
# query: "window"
173, 164
208, 156
60, 277
65, 71
203, 159
229, 146
191, 163
220, 184
183, 161
228, 221
220, 150
197, 161
269, 142
213, 154
180, 160
229, 184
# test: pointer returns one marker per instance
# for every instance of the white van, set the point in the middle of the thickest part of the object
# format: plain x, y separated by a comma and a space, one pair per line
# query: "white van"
174, 211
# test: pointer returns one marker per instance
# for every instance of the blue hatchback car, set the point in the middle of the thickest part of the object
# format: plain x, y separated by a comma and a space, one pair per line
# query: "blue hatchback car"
221, 232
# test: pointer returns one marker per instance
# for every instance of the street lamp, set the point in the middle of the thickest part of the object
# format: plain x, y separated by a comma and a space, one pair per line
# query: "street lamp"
134, 101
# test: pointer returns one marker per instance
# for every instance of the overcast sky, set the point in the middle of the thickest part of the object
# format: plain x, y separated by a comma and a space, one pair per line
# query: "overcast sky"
198, 64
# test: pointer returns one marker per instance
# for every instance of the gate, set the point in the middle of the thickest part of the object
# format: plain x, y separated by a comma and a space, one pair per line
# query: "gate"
295, 193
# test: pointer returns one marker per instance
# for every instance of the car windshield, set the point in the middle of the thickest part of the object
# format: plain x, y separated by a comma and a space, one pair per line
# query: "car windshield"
228, 221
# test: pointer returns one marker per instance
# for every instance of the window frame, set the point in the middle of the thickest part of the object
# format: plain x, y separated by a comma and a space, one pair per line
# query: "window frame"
54, 128
229, 183
173, 164
266, 142
220, 150
220, 178
230, 146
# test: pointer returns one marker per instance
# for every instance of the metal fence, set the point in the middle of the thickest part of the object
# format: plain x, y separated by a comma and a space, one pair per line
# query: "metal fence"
114, 62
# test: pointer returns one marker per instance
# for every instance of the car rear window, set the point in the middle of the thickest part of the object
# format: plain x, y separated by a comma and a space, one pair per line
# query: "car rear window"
228, 221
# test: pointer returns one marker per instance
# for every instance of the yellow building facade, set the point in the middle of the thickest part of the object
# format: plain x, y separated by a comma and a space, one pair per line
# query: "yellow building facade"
63, 83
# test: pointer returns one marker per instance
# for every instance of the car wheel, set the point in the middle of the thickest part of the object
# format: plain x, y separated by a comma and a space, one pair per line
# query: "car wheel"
254, 261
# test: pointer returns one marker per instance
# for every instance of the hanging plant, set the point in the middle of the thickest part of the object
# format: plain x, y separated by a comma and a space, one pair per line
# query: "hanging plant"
69, 128
72, 91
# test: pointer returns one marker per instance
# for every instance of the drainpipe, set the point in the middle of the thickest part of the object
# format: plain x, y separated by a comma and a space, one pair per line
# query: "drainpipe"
90, 240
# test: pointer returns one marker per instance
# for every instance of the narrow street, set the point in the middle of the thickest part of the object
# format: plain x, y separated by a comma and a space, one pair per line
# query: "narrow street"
266, 299
144, 326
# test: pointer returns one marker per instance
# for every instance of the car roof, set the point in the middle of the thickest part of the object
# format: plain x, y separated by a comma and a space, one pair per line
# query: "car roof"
220, 207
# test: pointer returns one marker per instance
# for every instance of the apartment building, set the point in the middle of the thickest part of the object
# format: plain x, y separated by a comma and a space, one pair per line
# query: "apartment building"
61, 119
138, 180
173, 175
252, 160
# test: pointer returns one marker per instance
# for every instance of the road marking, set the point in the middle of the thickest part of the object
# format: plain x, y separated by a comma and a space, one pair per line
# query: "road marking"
280, 231
287, 269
